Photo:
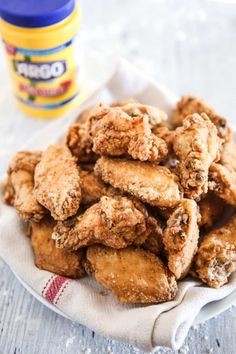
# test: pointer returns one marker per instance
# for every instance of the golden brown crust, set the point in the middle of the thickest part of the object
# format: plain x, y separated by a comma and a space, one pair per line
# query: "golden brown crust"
93, 188
115, 222
150, 183
50, 258
211, 209
154, 241
222, 177
180, 237
8, 191
190, 105
18, 190
166, 134
133, 275
155, 116
216, 257
115, 133
197, 146
57, 182
79, 142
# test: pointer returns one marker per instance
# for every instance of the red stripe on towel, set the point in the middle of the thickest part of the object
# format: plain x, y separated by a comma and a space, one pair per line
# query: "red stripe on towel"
55, 288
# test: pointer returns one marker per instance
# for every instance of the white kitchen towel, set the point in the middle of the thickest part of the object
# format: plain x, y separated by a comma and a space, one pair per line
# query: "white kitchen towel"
84, 300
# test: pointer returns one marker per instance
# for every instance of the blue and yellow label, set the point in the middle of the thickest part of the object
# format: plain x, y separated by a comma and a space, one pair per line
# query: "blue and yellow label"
43, 79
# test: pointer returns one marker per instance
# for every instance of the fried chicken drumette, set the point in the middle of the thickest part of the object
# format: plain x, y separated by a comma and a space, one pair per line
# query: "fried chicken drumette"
18, 190
180, 237
115, 222
197, 146
50, 258
222, 177
115, 133
57, 182
189, 105
150, 183
133, 275
216, 257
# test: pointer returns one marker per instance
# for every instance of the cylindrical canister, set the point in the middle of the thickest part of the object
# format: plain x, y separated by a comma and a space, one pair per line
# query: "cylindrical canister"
39, 38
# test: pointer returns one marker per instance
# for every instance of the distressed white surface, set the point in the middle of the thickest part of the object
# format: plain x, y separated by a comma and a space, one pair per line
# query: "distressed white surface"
189, 46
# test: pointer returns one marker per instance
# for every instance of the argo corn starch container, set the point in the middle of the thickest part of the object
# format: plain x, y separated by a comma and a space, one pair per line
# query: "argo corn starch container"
39, 38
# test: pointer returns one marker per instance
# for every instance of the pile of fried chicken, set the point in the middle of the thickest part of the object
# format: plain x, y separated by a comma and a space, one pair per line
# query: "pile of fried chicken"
133, 198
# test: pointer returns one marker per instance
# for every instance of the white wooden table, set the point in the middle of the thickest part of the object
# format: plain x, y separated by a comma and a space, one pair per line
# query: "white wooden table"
189, 46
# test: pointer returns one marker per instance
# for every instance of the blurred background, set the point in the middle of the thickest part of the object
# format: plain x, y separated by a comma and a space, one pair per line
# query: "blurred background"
189, 46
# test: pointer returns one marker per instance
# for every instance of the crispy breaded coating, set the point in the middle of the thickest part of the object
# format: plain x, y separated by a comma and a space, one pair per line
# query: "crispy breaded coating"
180, 237
216, 257
190, 105
115, 133
211, 210
57, 182
152, 184
50, 258
114, 221
134, 108
166, 134
93, 188
222, 176
79, 142
133, 275
154, 242
18, 190
8, 191
155, 115
197, 146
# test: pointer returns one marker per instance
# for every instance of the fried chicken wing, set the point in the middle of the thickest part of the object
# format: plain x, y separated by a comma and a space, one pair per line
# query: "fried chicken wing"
18, 190
197, 146
93, 188
180, 237
152, 184
50, 258
222, 177
80, 143
115, 222
115, 133
57, 182
211, 210
216, 257
190, 105
133, 275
